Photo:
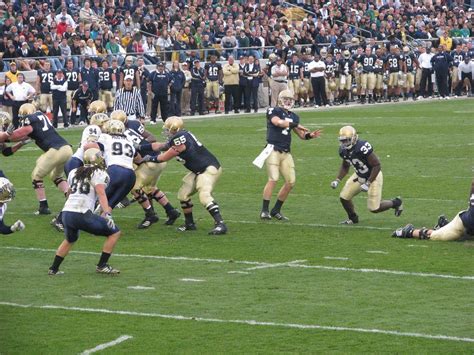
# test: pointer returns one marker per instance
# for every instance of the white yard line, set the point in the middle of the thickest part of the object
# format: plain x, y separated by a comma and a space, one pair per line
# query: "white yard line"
246, 322
376, 252
335, 258
192, 280
238, 272
419, 246
100, 347
140, 288
268, 266
96, 297
246, 262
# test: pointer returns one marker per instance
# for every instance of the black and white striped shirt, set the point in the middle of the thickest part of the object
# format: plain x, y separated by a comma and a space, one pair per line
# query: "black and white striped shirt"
130, 101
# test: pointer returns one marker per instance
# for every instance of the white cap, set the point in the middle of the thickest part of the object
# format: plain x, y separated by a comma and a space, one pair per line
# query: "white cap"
127, 77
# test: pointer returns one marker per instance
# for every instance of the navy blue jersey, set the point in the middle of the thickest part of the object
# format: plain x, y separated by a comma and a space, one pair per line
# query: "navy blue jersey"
378, 66
196, 157
129, 70
144, 74
368, 62
467, 217
393, 61
136, 126
105, 79
278, 136
134, 134
212, 71
358, 156
330, 69
457, 57
345, 66
306, 72
46, 78
44, 134
410, 62
91, 75
294, 69
72, 77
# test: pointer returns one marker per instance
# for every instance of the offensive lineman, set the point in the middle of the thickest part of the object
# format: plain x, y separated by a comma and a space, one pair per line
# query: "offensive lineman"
367, 176
281, 121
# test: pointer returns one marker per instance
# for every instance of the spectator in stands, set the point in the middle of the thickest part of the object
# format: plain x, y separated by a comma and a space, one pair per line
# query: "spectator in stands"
20, 93
5, 100
56, 59
12, 74
149, 50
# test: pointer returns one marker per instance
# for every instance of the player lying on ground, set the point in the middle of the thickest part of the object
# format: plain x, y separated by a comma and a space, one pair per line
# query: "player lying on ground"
7, 193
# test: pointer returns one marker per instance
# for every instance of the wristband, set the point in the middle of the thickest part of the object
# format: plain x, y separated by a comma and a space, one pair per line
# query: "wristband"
307, 136
292, 125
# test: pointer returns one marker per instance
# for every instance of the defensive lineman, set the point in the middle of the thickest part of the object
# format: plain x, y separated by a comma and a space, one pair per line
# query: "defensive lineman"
7, 193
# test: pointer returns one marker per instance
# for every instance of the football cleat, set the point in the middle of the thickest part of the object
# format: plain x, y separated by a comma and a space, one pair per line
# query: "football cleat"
265, 215
442, 221
348, 221
172, 217
106, 269
56, 223
405, 232
52, 272
148, 221
187, 227
219, 229
398, 206
43, 211
279, 216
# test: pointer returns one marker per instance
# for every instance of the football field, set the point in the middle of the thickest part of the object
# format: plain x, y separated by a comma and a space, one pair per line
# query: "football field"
306, 286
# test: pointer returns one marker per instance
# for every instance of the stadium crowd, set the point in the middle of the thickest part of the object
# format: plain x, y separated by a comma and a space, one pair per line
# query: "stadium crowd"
325, 52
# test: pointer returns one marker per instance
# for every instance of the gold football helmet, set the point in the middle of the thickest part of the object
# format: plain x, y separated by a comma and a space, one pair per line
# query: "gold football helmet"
5, 119
97, 106
323, 53
272, 57
119, 115
332, 85
99, 119
348, 137
7, 191
26, 109
346, 54
94, 157
286, 99
115, 127
172, 125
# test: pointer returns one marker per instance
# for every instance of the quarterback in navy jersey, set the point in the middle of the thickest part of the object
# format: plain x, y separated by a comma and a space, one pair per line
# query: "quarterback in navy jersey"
281, 121
35, 125
367, 176
461, 227
7, 193
204, 168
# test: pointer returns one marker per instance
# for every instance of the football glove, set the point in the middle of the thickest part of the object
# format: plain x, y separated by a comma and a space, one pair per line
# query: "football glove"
149, 159
335, 183
17, 226
10, 129
110, 221
365, 187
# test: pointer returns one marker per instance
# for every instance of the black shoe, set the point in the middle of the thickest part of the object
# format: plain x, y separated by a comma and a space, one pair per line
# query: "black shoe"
236, 111
265, 215
52, 272
405, 232
58, 224
43, 210
398, 206
227, 112
442, 221
247, 111
187, 227
279, 216
148, 221
255, 111
172, 217
219, 229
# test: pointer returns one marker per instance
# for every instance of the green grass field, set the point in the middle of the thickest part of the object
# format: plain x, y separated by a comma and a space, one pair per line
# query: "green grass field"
309, 285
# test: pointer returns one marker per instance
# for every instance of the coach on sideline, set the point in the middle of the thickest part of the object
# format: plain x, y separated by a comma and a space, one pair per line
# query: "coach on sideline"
20, 92
129, 100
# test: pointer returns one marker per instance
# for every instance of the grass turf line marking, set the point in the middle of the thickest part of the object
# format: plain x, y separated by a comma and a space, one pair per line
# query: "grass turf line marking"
243, 321
140, 288
96, 297
376, 252
335, 258
100, 347
419, 246
268, 266
238, 272
245, 262
192, 280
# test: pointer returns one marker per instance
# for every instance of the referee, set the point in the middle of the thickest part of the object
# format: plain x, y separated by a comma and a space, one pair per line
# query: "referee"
129, 100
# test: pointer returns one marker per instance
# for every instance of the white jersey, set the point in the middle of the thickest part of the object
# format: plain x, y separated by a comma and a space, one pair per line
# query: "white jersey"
88, 134
118, 150
83, 197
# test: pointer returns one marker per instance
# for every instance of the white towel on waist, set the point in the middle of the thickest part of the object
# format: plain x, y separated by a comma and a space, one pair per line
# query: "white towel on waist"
260, 160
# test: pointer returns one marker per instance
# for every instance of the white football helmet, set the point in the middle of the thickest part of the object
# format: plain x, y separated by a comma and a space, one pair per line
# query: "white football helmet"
347, 137
286, 99
7, 191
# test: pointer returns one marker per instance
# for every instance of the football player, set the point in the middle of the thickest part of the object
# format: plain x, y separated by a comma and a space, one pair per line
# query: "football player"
129, 69
367, 78
214, 76
147, 175
87, 185
281, 121
394, 67
107, 85
460, 227
43, 86
367, 176
204, 167
295, 76
411, 64
346, 66
7, 193
73, 77
35, 125
458, 56
306, 92
330, 74
5, 122
378, 70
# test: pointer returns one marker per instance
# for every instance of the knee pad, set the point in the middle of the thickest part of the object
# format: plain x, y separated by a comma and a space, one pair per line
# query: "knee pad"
424, 233
141, 196
186, 204
38, 184
158, 195
58, 180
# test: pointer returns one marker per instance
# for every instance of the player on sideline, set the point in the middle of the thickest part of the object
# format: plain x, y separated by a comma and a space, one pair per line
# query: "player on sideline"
35, 125
367, 176
280, 123
462, 226
204, 168
7, 193
87, 185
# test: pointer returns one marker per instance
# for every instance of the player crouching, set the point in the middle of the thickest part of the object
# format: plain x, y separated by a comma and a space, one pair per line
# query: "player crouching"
88, 184
7, 193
